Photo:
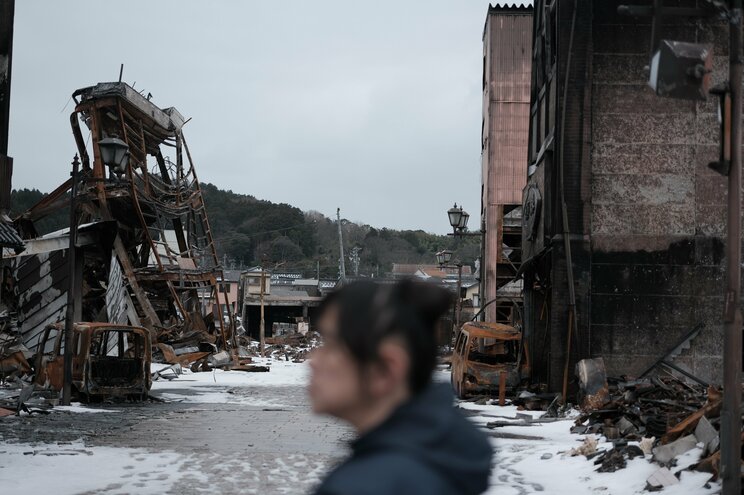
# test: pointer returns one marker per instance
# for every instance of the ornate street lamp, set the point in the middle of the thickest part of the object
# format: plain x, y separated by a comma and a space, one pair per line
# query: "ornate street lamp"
455, 216
458, 219
463, 225
444, 257
115, 154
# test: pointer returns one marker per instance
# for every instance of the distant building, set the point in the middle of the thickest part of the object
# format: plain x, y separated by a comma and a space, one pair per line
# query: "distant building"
402, 270
287, 299
228, 285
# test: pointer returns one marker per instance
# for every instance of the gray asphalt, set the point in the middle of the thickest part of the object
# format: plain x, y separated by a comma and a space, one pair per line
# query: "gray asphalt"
231, 448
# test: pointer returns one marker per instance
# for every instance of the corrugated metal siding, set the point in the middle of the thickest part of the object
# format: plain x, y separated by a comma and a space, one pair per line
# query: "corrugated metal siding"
42, 285
508, 46
116, 295
9, 237
507, 5
508, 119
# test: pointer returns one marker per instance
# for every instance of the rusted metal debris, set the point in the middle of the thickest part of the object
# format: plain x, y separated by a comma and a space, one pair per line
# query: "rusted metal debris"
487, 358
666, 415
108, 360
145, 256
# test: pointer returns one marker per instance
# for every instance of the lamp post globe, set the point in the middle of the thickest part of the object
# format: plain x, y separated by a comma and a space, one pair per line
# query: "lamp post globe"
446, 255
455, 215
463, 221
114, 153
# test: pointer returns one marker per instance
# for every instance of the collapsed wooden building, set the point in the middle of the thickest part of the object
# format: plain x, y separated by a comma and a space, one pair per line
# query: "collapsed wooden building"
144, 252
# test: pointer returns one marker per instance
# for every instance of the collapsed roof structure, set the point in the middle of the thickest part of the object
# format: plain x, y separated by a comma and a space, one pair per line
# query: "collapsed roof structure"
145, 252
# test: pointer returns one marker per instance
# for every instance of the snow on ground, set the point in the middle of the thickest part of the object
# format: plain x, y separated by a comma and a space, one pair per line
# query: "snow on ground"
534, 459
528, 459
77, 407
232, 387
75, 468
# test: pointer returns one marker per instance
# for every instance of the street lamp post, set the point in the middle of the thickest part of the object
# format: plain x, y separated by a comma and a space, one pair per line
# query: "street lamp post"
458, 219
71, 289
443, 258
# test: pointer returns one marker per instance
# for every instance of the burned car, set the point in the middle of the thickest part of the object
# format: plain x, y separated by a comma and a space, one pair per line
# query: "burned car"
108, 360
487, 359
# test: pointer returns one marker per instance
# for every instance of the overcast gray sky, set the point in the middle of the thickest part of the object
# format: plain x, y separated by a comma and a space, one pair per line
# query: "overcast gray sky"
374, 107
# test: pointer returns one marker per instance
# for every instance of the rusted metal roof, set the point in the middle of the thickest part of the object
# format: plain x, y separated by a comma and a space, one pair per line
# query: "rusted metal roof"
512, 5
169, 119
485, 330
9, 238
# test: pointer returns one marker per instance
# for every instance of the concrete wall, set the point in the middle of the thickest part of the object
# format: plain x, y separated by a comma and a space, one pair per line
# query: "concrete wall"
657, 211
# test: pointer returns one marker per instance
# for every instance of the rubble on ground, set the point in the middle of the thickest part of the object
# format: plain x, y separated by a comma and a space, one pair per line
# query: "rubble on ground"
658, 418
294, 347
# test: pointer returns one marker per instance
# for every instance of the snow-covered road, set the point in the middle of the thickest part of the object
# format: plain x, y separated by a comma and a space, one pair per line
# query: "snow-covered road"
216, 432
237, 432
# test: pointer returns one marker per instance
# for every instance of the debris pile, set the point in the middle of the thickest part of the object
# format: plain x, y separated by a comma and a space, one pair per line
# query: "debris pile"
144, 255
294, 347
661, 416
670, 421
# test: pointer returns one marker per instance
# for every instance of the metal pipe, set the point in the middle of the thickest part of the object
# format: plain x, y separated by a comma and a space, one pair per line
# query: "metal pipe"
572, 317
732, 359
7, 8
459, 295
72, 284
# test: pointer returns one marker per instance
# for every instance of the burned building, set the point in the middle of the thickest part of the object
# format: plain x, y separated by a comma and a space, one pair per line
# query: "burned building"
279, 300
623, 220
144, 251
507, 39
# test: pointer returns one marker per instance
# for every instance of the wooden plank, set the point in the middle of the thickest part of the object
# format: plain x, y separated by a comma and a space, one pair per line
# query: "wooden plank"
139, 294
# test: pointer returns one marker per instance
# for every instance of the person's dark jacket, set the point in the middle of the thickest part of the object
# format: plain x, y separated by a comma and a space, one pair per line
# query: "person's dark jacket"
425, 447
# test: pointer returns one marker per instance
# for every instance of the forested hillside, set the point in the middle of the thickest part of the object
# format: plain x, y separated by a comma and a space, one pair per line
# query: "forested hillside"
248, 230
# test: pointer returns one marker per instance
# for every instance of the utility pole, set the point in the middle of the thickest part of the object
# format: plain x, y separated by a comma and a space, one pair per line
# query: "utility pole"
732, 345
341, 261
354, 258
71, 289
262, 328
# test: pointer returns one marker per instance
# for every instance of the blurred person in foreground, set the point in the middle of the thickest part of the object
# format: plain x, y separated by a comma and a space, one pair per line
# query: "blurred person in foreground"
374, 371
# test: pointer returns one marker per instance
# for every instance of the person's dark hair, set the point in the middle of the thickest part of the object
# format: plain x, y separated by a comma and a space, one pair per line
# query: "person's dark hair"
369, 312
